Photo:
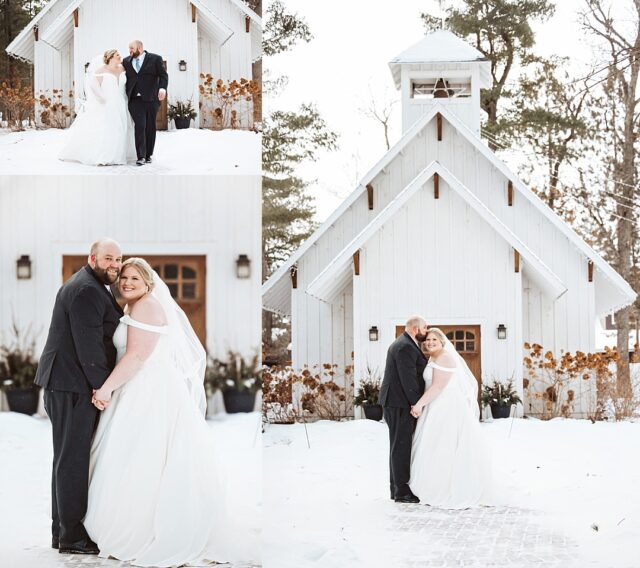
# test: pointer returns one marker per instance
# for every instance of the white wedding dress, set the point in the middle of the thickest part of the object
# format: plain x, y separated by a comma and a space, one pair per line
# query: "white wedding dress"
156, 497
450, 460
102, 132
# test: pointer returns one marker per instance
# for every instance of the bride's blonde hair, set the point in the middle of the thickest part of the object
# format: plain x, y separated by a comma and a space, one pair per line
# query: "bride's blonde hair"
439, 334
109, 55
143, 268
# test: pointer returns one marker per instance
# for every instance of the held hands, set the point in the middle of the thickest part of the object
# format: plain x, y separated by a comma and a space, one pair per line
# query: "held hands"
101, 398
416, 410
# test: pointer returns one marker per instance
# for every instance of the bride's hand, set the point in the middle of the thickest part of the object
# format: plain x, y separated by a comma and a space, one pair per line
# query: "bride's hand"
102, 398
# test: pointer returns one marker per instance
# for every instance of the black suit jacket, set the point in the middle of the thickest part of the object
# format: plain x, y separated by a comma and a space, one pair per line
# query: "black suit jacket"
79, 354
403, 383
149, 80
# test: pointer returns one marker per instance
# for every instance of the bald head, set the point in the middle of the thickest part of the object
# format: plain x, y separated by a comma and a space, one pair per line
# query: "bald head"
105, 258
416, 327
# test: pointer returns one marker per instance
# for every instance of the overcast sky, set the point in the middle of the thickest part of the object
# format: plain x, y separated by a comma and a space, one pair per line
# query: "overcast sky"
346, 65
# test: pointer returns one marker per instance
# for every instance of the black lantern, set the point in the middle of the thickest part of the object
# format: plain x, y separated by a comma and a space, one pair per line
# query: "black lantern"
502, 331
243, 267
374, 334
23, 267
182, 65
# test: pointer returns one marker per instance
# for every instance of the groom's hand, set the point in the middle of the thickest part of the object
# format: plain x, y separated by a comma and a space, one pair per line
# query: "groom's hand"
162, 95
416, 412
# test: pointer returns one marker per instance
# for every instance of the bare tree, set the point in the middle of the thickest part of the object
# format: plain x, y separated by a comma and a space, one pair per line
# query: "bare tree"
380, 110
623, 47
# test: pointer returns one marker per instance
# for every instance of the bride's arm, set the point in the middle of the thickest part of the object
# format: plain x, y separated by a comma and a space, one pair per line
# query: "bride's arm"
140, 345
95, 84
440, 380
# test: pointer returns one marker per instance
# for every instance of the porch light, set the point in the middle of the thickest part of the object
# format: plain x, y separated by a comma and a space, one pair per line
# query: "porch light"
23, 267
502, 331
182, 65
373, 333
243, 267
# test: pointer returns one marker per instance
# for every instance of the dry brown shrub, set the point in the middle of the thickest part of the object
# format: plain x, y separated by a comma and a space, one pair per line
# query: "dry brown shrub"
227, 104
55, 108
17, 104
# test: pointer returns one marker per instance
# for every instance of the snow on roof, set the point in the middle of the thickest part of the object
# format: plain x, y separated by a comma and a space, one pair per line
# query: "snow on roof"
440, 46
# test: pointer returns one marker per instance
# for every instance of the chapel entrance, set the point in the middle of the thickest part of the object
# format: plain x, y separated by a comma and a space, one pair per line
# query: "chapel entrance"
183, 275
466, 340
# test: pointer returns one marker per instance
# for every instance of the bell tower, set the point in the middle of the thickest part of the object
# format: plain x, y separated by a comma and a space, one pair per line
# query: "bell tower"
441, 69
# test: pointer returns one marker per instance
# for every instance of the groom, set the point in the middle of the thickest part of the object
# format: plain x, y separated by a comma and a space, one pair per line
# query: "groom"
78, 357
147, 82
401, 388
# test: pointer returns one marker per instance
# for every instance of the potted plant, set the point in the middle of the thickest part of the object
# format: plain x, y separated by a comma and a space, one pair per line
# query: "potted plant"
367, 395
239, 380
182, 114
500, 398
18, 366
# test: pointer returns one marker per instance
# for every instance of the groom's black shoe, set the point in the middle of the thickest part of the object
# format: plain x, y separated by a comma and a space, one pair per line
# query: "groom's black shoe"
409, 498
141, 162
55, 542
86, 546
148, 160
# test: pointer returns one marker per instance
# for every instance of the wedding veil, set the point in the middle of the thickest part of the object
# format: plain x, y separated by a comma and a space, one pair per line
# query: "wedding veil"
186, 351
469, 384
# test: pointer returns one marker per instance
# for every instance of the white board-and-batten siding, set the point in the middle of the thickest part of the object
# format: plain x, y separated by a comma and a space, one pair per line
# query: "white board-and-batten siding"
501, 295
165, 28
47, 217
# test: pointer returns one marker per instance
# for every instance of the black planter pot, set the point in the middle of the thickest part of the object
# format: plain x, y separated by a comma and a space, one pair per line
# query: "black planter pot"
500, 411
24, 401
238, 401
372, 412
182, 123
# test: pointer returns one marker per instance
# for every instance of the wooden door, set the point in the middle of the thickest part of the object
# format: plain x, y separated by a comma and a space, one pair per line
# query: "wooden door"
162, 121
466, 340
184, 276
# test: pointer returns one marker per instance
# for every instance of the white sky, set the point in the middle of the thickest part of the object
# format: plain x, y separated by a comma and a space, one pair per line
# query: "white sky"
347, 60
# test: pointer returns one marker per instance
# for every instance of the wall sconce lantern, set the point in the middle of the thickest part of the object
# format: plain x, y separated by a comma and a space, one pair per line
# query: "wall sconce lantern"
243, 267
182, 65
374, 334
23, 267
502, 331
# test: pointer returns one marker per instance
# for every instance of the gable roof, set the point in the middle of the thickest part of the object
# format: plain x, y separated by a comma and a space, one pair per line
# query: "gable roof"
60, 31
441, 46
336, 274
277, 289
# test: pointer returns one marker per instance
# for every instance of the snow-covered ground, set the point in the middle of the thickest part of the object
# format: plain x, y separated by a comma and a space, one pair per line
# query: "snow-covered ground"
327, 506
25, 479
183, 152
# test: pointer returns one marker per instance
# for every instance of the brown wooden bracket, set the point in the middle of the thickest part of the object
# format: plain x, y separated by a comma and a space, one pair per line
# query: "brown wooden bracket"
370, 196
356, 263
436, 186
194, 13
590, 270
36, 33
516, 261
510, 193
247, 24
294, 276
76, 17
439, 126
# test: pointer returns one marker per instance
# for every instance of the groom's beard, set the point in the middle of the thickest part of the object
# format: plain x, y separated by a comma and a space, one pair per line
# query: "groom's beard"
420, 337
104, 276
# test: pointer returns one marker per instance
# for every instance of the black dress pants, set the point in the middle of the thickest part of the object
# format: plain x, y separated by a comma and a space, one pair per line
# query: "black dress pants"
144, 119
401, 427
73, 421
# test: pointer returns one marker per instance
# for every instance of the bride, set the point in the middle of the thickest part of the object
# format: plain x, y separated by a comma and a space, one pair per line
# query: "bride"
450, 463
155, 493
102, 133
